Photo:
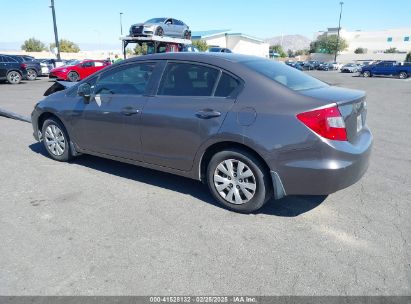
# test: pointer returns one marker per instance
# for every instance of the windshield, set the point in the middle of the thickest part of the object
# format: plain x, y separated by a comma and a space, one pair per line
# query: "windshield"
285, 75
156, 20
72, 62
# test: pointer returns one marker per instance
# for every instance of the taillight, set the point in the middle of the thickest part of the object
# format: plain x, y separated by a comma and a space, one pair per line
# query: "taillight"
23, 65
326, 122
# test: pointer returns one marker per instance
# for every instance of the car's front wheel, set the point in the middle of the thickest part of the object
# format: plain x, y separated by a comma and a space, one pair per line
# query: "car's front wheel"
238, 180
403, 75
160, 32
56, 140
31, 74
73, 76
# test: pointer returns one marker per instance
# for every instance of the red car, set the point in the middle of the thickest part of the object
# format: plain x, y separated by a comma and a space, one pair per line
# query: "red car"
78, 70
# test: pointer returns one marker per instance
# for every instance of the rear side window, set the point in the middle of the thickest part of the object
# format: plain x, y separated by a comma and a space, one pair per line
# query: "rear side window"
285, 75
184, 79
226, 86
130, 80
10, 59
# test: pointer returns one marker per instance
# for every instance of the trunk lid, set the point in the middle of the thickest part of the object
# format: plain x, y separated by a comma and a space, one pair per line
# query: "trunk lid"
351, 103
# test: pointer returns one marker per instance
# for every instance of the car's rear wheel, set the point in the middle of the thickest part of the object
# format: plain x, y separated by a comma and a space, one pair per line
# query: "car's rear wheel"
160, 32
73, 76
238, 180
14, 77
187, 35
403, 75
366, 74
31, 74
56, 140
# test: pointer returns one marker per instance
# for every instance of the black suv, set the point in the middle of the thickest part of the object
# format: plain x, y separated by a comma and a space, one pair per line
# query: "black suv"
12, 70
33, 65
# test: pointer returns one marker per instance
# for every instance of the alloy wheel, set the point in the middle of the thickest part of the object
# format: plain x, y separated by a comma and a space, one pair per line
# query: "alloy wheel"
235, 181
55, 141
31, 74
14, 77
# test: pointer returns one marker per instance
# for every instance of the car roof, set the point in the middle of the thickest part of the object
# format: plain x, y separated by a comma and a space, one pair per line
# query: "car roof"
199, 57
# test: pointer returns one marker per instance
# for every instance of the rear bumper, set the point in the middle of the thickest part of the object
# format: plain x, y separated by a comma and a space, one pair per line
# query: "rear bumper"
341, 165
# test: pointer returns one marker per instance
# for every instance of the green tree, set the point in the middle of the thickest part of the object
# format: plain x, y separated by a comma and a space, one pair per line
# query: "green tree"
391, 50
290, 53
360, 50
408, 58
301, 52
140, 49
33, 45
66, 46
201, 45
278, 49
328, 44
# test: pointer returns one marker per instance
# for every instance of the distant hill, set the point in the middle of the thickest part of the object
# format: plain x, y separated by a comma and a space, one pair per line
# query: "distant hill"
290, 42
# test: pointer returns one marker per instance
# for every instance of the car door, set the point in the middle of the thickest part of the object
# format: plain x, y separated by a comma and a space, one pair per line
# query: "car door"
168, 28
86, 69
189, 107
110, 122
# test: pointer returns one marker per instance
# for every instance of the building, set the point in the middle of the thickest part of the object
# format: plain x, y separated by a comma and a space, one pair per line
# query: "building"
374, 41
237, 42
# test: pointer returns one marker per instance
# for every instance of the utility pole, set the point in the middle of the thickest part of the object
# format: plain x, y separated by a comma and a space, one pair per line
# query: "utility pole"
121, 24
338, 33
56, 36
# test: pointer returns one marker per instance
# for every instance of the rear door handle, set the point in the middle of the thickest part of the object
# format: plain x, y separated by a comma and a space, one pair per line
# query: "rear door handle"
128, 111
208, 113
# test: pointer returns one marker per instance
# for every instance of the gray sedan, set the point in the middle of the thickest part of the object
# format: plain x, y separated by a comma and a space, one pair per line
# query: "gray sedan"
161, 27
250, 128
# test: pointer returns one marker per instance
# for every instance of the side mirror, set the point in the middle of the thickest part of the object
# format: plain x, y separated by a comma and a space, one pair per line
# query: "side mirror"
84, 90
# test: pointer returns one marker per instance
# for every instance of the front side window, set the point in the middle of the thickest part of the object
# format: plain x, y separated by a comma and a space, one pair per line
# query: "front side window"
88, 64
130, 80
11, 59
184, 79
285, 75
98, 64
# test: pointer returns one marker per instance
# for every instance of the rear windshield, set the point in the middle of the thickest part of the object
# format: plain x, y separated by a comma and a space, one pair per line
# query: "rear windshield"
285, 75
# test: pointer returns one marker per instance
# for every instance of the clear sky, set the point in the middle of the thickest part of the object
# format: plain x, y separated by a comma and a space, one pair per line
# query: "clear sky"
97, 21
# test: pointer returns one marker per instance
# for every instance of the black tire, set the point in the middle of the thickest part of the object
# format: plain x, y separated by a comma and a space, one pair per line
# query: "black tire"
160, 32
187, 35
403, 75
14, 77
31, 74
73, 76
367, 74
261, 179
51, 131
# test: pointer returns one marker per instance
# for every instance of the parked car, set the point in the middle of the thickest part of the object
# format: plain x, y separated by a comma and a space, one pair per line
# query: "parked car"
350, 68
12, 70
161, 27
250, 128
78, 70
33, 66
326, 66
216, 49
387, 68
294, 64
311, 65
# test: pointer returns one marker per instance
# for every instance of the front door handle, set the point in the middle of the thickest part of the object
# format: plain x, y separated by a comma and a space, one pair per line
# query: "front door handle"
207, 113
128, 111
